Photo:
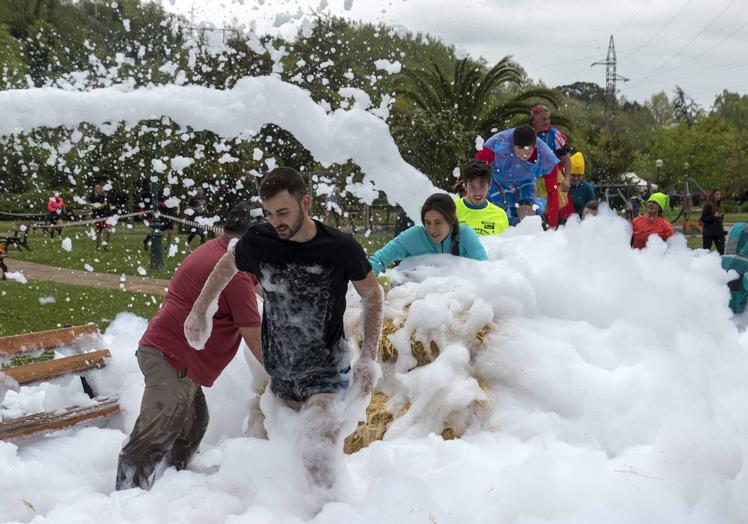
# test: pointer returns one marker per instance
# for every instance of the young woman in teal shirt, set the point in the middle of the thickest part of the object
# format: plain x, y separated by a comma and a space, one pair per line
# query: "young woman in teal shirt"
440, 233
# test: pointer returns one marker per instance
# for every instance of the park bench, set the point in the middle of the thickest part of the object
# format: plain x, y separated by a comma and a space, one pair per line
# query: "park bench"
38, 350
19, 238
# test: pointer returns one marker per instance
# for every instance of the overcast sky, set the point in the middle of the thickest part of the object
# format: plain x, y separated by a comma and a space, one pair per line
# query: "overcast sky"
697, 44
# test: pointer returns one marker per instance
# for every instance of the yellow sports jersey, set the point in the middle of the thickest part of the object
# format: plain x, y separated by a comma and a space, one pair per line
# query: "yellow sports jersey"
490, 220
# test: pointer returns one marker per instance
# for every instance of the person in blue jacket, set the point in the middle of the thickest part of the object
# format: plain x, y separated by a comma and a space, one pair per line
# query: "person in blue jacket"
440, 233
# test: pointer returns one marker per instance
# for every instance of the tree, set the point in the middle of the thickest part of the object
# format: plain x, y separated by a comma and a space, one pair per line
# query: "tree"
661, 108
733, 108
685, 108
443, 114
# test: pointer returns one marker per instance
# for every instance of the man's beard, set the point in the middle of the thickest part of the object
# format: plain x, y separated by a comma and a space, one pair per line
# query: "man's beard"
290, 231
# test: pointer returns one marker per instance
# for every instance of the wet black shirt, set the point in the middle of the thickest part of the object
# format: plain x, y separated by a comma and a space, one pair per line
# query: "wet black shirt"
304, 286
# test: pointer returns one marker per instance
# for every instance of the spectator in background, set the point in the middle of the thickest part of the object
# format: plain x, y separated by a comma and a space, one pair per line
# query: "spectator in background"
167, 225
651, 223
199, 206
57, 210
712, 216
333, 206
101, 210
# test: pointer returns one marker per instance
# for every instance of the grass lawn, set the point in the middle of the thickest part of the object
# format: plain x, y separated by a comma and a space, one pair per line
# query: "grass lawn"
28, 307
730, 218
125, 256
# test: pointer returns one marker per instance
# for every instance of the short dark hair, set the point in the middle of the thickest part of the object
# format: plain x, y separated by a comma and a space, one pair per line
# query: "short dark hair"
524, 136
474, 168
280, 179
241, 216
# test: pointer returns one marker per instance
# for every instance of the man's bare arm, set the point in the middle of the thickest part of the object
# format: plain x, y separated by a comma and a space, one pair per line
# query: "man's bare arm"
199, 322
566, 163
252, 337
366, 370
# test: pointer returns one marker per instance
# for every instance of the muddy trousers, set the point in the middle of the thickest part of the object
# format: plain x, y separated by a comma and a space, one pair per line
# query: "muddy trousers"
172, 422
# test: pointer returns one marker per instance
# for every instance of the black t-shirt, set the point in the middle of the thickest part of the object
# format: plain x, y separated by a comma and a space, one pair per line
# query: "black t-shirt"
102, 205
304, 286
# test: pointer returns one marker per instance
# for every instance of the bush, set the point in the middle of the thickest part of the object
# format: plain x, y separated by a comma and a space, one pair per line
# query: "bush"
744, 207
29, 202
729, 207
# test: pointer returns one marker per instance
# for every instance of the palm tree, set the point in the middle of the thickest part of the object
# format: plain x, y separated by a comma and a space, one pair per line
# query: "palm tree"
477, 98
447, 113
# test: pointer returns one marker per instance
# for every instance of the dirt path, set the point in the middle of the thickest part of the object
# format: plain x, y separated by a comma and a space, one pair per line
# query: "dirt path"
32, 271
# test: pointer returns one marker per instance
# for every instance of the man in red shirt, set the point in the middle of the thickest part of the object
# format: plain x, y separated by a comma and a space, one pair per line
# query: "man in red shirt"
651, 223
173, 413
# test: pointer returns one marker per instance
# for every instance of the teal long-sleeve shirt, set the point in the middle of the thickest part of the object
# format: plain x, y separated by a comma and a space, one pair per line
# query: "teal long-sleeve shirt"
415, 241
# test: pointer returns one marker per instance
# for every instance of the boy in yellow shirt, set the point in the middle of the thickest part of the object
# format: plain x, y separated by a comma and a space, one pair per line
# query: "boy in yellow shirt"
474, 209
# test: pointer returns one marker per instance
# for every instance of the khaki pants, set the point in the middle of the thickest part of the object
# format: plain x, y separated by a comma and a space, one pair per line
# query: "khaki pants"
172, 421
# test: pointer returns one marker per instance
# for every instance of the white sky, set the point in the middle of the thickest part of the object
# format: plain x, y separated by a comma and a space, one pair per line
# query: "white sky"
698, 45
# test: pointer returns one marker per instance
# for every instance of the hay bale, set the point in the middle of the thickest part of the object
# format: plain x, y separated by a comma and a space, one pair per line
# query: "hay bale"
483, 333
423, 356
378, 420
386, 351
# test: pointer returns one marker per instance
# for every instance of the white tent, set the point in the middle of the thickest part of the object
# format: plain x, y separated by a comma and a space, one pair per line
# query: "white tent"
635, 180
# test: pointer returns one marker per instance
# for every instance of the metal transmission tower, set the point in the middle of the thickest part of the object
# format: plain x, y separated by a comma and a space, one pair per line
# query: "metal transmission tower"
611, 77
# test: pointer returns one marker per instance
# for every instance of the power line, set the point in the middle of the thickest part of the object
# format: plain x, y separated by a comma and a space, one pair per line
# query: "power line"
658, 33
684, 47
674, 39
721, 67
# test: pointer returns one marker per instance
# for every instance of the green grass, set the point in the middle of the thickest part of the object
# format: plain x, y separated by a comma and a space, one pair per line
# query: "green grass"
730, 218
21, 311
125, 253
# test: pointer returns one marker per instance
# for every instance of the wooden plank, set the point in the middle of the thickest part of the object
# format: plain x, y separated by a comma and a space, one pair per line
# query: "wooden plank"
40, 423
43, 340
58, 367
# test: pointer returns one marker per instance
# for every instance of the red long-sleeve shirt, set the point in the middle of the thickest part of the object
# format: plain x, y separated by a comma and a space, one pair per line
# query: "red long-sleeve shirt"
55, 205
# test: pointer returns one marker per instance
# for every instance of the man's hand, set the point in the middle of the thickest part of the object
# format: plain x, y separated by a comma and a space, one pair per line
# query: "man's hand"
366, 373
197, 328
199, 323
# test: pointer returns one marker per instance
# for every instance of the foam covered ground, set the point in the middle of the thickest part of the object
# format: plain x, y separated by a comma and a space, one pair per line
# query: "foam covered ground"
611, 389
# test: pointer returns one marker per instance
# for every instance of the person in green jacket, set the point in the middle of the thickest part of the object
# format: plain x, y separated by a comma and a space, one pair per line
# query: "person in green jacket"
474, 209
440, 233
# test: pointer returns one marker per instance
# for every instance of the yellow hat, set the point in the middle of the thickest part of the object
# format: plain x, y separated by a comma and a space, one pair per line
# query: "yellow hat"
660, 199
577, 164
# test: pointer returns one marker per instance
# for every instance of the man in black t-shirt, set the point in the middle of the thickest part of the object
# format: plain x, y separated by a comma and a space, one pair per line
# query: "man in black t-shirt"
304, 268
